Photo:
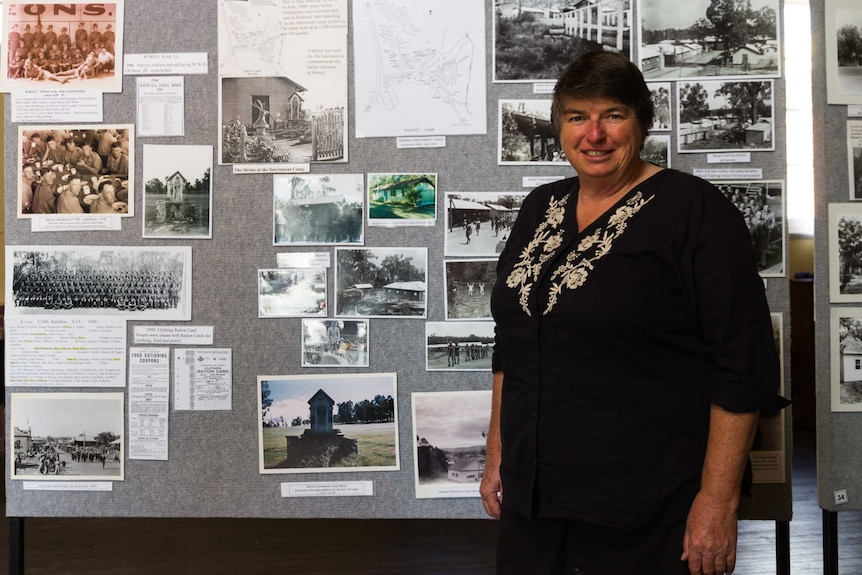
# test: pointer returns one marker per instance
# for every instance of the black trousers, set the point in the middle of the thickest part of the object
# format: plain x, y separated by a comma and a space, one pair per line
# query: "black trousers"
548, 546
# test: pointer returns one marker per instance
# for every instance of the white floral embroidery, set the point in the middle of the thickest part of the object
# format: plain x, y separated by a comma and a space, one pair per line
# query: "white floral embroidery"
548, 237
574, 271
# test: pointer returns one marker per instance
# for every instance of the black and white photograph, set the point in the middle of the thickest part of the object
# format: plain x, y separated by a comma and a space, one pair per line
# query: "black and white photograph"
527, 136
269, 119
381, 282
846, 350
459, 345
854, 157
716, 116
656, 150
478, 223
402, 199
178, 191
143, 283
768, 450
449, 430
291, 292
76, 170
335, 343
468, 288
67, 436
318, 209
843, 63
328, 423
845, 252
535, 39
54, 45
661, 100
698, 38
762, 205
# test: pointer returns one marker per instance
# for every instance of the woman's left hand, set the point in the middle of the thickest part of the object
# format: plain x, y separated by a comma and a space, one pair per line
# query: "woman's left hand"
709, 544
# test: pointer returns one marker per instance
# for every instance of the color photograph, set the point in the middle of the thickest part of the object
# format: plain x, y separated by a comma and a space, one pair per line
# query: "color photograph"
402, 199
299, 415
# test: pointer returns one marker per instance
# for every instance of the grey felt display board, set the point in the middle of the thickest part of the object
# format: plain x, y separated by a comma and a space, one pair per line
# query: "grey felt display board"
839, 435
213, 466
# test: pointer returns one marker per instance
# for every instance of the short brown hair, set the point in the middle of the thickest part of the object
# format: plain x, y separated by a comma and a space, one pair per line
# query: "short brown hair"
601, 74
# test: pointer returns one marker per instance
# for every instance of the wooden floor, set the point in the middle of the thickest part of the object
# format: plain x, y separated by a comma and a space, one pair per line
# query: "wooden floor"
365, 547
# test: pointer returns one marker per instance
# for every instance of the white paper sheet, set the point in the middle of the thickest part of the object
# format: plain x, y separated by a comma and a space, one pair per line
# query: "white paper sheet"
203, 379
149, 397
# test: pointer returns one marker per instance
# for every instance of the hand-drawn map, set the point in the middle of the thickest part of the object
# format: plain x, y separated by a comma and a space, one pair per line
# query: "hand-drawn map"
419, 67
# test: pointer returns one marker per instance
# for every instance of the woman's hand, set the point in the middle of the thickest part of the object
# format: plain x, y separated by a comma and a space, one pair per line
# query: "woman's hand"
491, 488
709, 544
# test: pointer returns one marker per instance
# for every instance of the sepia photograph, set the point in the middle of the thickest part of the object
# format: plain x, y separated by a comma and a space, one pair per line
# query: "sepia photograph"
459, 345
381, 282
266, 120
449, 430
328, 423
478, 223
843, 65
527, 136
144, 283
468, 288
318, 209
715, 116
67, 436
291, 292
656, 150
54, 45
402, 199
846, 351
535, 39
761, 204
698, 38
76, 170
178, 192
845, 252
335, 343
661, 100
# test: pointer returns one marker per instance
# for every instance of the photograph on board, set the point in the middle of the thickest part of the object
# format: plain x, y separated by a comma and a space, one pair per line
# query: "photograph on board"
328, 423
419, 68
534, 41
143, 283
468, 288
526, 135
854, 157
76, 170
291, 292
381, 282
768, 450
67, 436
402, 199
661, 95
54, 45
459, 345
335, 343
656, 150
178, 191
318, 209
843, 35
846, 353
449, 430
716, 116
761, 203
698, 38
478, 223
845, 252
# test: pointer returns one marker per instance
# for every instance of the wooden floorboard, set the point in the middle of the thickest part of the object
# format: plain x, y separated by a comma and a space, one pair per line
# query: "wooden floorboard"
73, 546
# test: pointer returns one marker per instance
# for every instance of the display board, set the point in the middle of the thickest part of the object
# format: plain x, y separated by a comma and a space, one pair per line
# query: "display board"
215, 466
835, 306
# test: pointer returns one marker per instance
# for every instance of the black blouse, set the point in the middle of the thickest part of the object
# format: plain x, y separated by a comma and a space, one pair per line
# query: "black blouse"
615, 341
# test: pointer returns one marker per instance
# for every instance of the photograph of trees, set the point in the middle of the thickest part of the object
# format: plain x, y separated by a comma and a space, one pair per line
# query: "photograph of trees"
381, 282
725, 116
696, 38
847, 374
535, 39
849, 40
850, 254
318, 209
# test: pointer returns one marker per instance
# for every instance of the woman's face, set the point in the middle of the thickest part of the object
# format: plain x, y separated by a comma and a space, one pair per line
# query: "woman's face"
601, 137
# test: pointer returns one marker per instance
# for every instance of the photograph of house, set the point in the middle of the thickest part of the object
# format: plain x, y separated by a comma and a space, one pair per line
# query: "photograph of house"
402, 199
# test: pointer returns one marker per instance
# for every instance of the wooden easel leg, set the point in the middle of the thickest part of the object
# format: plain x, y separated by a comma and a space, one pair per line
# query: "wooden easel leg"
16, 546
830, 543
782, 547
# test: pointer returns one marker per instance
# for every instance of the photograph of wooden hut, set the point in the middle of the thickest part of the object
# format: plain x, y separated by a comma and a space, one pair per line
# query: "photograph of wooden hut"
402, 199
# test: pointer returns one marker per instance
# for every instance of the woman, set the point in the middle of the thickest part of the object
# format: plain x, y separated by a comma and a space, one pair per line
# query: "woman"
633, 353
